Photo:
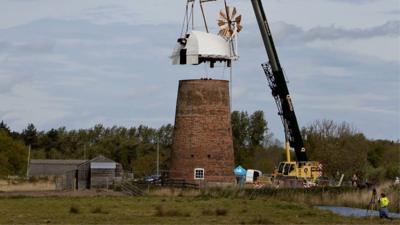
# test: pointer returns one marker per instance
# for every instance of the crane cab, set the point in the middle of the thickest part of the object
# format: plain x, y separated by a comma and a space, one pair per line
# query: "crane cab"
309, 170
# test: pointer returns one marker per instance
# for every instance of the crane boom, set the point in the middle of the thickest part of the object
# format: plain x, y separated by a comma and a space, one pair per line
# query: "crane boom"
277, 83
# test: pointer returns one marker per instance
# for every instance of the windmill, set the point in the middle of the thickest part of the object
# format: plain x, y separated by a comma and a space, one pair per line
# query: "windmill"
229, 23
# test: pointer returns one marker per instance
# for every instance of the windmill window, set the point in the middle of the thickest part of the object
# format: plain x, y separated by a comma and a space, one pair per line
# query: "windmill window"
199, 174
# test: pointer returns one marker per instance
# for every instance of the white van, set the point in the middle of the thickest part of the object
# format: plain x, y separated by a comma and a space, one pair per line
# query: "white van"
252, 175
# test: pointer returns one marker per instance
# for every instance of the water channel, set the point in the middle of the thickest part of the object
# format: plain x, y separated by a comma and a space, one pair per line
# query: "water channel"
356, 212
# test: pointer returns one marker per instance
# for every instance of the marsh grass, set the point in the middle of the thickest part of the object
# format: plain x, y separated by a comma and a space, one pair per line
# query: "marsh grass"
336, 196
260, 220
74, 209
221, 212
207, 212
161, 211
174, 192
99, 210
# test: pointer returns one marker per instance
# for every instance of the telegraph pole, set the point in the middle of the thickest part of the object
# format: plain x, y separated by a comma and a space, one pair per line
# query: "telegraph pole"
29, 159
158, 155
84, 151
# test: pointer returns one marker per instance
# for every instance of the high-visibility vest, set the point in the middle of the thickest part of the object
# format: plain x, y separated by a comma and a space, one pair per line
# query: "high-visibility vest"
384, 202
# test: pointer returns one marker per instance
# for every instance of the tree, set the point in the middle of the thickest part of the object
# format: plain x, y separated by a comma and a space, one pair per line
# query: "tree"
30, 135
240, 122
3, 126
257, 128
147, 134
240, 128
164, 134
250, 140
13, 155
338, 146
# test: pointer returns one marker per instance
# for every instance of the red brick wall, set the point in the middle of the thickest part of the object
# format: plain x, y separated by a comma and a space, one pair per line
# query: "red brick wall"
202, 135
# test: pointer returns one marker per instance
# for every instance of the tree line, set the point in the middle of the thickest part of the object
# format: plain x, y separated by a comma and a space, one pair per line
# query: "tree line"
338, 146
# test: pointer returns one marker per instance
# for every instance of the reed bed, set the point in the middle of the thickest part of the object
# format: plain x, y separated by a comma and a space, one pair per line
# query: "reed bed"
335, 196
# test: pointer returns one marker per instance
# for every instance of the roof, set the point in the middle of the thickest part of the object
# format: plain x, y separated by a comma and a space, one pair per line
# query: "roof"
208, 45
57, 161
52, 167
101, 158
199, 46
75, 162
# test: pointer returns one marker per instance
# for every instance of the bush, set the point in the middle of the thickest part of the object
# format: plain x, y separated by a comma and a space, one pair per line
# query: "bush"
375, 175
74, 209
33, 179
161, 212
221, 212
99, 210
393, 171
261, 220
221, 192
207, 212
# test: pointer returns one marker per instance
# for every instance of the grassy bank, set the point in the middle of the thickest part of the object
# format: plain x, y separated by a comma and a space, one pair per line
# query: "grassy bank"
165, 210
344, 196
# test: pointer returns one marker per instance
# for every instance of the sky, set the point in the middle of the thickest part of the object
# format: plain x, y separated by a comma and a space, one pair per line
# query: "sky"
76, 63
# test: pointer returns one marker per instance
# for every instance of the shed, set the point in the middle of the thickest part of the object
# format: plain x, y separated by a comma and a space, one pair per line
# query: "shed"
100, 172
51, 167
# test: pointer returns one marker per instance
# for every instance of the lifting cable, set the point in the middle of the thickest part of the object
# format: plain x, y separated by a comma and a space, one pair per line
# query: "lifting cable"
185, 18
192, 16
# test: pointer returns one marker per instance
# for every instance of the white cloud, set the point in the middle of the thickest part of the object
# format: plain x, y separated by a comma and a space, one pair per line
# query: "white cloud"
27, 104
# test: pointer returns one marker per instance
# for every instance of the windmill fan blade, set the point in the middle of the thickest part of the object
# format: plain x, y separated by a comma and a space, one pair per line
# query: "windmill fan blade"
226, 32
224, 27
238, 19
233, 13
222, 15
239, 27
228, 11
222, 32
230, 33
221, 22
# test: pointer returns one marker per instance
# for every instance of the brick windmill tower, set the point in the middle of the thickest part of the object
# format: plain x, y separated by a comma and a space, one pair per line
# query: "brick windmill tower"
202, 149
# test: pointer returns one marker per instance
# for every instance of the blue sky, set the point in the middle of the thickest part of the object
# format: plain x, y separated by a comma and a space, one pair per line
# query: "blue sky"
78, 63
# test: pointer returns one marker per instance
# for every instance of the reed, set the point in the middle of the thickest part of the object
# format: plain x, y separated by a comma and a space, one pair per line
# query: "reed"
335, 196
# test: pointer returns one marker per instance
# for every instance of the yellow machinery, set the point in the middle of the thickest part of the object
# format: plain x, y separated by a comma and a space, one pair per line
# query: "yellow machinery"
308, 170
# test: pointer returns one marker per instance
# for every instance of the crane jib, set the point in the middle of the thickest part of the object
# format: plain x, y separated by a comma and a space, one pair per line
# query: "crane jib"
277, 83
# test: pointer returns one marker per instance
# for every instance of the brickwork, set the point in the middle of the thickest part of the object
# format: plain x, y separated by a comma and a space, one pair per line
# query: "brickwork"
202, 134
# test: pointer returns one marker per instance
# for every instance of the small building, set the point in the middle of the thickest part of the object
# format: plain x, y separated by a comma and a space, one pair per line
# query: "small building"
51, 167
99, 172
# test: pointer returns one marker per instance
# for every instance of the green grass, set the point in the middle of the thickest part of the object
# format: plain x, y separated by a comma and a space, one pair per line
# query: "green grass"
165, 210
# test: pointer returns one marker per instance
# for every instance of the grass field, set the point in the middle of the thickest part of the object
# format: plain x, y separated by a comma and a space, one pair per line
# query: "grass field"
165, 210
27, 186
